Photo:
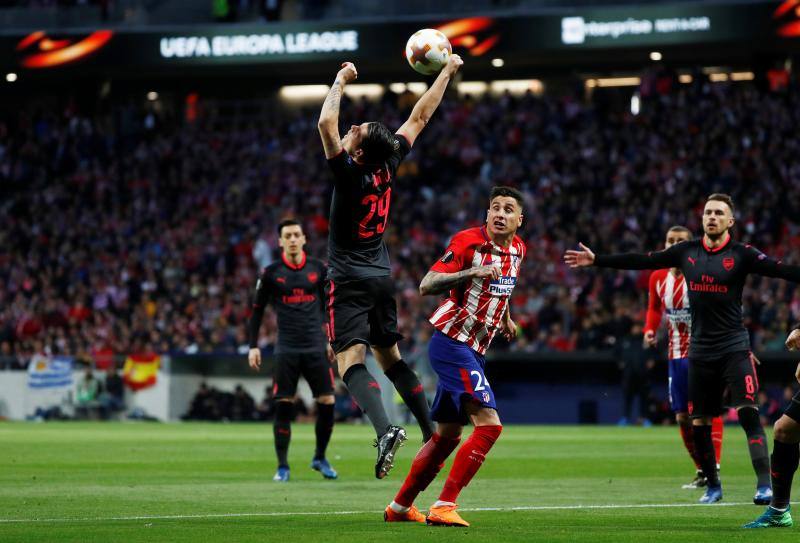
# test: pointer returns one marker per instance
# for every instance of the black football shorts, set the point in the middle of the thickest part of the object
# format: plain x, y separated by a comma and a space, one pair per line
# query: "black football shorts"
313, 366
362, 311
709, 378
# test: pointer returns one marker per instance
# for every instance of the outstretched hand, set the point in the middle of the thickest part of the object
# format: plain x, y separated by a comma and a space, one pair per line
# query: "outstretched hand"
579, 259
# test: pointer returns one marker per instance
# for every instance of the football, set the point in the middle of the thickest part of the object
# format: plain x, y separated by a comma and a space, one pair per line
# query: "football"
427, 51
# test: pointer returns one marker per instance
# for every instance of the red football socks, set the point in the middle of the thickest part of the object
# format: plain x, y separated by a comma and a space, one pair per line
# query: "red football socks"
688, 442
425, 468
716, 436
468, 460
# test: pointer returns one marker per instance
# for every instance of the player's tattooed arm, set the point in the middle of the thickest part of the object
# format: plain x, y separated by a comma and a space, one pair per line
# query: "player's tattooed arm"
328, 123
438, 283
428, 102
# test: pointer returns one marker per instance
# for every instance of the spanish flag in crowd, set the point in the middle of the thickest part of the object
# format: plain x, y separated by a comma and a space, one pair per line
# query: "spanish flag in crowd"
140, 370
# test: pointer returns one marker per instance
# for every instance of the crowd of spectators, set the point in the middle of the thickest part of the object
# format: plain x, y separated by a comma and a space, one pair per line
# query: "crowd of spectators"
137, 229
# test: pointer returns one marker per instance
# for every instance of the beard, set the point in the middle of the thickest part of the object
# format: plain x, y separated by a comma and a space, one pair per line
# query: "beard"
719, 234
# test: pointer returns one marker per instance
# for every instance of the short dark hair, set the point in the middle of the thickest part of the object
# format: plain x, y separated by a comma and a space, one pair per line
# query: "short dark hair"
507, 191
287, 222
679, 228
379, 144
720, 197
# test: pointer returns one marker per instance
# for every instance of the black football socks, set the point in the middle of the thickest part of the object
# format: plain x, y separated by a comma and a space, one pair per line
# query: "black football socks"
282, 430
407, 384
323, 429
756, 442
367, 393
785, 458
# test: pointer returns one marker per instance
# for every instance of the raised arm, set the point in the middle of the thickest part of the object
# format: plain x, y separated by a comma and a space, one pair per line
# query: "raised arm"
669, 258
427, 104
328, 123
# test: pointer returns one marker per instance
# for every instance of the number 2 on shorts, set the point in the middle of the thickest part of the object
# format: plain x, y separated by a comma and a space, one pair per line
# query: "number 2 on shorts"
481, 380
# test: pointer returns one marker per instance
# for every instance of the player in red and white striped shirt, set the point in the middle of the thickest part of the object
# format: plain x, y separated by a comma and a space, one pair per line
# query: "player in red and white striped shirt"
479, 270
668, 294
475, 310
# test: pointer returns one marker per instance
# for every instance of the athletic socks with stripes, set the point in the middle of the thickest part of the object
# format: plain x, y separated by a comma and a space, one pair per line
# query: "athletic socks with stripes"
785, 458
407, 384
282, 430
367, 393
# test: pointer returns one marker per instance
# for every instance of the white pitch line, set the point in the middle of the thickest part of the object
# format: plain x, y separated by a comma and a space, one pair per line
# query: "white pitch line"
319, 513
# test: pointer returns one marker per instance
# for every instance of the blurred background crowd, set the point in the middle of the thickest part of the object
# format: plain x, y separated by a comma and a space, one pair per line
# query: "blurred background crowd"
141, 228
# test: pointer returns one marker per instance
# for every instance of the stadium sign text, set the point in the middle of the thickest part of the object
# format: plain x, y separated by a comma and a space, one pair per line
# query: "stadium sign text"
577, 30
252, 45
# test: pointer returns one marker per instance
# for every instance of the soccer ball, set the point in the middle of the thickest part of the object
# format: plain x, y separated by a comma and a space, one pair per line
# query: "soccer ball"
427, 51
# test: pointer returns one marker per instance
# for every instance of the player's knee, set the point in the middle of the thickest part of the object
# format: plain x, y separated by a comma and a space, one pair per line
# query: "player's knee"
349, 358
701, 421
682, 419
449, 430
386, 356
787, 430
486, 417
326, 399
749, 420
490, 432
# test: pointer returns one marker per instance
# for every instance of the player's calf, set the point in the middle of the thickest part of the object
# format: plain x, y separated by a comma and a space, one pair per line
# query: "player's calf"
426, 466
759, 452
785, 460
468, 461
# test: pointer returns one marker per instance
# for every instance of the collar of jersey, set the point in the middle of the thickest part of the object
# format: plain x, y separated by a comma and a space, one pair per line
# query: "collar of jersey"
292, 266
718, 249
504, 250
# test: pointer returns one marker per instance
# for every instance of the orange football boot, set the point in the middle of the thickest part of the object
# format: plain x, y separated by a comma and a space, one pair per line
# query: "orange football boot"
412, 515
445, 515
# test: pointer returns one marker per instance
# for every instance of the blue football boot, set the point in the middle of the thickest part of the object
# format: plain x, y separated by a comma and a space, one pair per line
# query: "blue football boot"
763, 495
713, 495
321, 465
282, 475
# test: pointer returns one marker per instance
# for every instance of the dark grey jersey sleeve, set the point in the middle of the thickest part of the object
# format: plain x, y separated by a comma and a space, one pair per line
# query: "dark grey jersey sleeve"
761, 264
669, 258
259, 305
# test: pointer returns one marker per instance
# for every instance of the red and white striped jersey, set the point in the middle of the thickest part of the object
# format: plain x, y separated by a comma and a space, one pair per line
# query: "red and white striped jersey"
668, 294
474, 310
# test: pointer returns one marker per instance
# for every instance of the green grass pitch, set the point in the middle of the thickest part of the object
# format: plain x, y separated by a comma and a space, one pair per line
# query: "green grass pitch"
203, 483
